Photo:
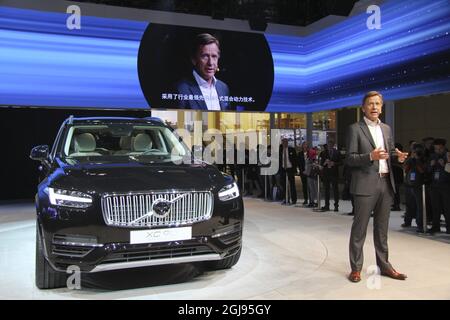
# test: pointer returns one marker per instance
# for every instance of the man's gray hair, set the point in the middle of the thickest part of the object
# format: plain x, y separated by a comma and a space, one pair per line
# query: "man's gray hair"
371, 94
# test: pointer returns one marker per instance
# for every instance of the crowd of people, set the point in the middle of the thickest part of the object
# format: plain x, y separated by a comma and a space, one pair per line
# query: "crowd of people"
425, 173
308, 163
427, 176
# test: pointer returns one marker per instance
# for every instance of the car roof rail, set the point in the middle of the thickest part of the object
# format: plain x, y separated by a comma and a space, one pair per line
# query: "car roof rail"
154, 119
70, 119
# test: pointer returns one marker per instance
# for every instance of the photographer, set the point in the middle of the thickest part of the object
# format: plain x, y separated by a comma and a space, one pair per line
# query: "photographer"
415, 168
440, 186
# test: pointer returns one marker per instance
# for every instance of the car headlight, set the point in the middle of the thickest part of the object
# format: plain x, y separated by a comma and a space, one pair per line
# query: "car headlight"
67, 198
229, 192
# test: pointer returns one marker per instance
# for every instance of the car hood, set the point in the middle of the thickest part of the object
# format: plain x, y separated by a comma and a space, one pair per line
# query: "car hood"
103, 177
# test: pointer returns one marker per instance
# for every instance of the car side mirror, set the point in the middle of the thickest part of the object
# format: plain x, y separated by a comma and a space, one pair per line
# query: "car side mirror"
39, 153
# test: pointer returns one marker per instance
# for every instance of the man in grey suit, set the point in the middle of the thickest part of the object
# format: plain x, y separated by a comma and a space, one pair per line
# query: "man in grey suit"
210, 93
370, 150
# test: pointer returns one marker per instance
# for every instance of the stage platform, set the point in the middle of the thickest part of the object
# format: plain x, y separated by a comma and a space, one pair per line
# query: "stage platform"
288, 252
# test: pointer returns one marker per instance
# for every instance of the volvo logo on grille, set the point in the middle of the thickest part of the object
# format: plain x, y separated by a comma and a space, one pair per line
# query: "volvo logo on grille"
161, 208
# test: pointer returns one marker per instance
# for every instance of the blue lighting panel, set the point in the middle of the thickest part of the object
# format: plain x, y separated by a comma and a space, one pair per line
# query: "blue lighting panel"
45, 64
42, 63
407, 57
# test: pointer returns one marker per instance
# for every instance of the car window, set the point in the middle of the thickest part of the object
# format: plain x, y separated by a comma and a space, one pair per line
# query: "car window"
56, 142
122, 140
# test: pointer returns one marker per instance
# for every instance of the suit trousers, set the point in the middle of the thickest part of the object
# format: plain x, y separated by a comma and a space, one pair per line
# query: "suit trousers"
397, 196
440, 201
379, 202
411, 205
415, 194
304, 187
328, 181
291, 179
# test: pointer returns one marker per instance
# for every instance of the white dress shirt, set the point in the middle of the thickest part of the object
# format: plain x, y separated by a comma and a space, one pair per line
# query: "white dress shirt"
286, 163
209, 92
377, 135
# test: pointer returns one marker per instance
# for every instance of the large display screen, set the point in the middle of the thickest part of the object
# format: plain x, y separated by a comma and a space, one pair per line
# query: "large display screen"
124, 64
187, 62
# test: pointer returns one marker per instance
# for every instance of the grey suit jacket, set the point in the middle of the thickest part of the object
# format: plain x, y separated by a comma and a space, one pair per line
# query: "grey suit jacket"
359, 145
190, 87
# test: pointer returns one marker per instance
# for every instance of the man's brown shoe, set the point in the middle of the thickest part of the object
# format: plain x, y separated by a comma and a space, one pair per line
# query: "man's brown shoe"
391, 273
355, 276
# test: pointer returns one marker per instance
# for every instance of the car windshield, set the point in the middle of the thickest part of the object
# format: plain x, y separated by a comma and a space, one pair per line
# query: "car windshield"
143, 142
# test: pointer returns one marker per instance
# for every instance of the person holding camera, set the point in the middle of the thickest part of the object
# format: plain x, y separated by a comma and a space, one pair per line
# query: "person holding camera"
415, 168
440, 186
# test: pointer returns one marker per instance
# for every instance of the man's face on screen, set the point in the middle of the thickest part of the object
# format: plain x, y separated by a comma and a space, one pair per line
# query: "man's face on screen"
206, 60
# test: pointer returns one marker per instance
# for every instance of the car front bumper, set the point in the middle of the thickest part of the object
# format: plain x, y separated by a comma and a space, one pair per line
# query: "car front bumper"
81, 238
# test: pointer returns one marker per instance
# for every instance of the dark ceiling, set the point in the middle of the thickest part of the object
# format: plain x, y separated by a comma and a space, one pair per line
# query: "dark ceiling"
290, 12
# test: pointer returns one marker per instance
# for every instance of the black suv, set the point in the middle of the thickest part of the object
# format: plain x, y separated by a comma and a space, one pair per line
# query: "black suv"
119, 193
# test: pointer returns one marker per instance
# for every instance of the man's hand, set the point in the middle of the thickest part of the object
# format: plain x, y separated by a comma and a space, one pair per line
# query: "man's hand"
433, 163
401, 155
379, 154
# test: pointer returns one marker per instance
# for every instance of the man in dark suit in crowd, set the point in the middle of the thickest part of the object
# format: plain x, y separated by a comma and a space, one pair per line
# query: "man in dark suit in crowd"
330, 161
428, 143
440, 186
288, 166
302, 156
207, 92
370, 149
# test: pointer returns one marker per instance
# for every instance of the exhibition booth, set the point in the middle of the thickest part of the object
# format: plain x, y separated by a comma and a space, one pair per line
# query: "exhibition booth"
149, 151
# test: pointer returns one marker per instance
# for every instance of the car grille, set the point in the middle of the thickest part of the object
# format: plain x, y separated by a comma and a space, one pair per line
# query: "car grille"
73, 246
229, 233
157, 253
70, 251
135, 209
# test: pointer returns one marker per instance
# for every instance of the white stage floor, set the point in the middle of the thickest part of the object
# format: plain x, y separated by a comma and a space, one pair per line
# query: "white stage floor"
289, 253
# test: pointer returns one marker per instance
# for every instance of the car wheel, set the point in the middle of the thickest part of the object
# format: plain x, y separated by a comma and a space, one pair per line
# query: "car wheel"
226, 263
46, 276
